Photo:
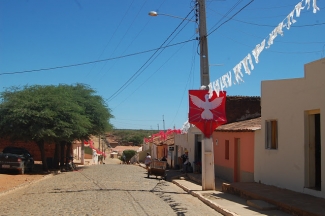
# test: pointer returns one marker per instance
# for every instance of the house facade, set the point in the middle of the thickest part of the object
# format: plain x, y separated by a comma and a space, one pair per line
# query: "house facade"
290, 147
238, 109
234, 150
190, 141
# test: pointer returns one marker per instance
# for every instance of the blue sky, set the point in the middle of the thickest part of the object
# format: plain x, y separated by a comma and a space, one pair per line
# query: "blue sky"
146, 88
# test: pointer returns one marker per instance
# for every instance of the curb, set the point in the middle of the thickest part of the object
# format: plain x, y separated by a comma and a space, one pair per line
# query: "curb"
213, 205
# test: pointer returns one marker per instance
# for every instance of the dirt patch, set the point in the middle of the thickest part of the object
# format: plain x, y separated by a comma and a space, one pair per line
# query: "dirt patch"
11, 179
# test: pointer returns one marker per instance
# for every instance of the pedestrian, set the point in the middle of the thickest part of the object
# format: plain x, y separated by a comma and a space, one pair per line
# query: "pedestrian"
185, 161
147, 161
124, 159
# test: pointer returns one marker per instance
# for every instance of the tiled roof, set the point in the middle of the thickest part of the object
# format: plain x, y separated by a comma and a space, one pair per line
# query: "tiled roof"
247, 125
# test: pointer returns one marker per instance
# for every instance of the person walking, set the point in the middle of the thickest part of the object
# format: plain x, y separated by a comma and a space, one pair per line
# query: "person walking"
185, 161
147, 161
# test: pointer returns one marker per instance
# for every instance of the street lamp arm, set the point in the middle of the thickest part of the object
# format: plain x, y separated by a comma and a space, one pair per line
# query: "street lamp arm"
155, 13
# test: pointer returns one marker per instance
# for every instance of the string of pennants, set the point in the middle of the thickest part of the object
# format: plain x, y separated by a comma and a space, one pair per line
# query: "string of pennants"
225, 81
162, 135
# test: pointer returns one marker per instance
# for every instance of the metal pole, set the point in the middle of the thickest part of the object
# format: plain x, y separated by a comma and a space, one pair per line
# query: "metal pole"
164, 123
208, 177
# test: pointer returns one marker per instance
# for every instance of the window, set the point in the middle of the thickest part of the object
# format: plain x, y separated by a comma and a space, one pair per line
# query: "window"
271, 133
227, 150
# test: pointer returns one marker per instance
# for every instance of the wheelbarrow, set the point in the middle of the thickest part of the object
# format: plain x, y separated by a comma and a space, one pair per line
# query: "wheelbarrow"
158, 168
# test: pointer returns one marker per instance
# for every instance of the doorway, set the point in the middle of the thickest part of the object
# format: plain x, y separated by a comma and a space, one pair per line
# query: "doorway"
237, 160
198, 153
314, 152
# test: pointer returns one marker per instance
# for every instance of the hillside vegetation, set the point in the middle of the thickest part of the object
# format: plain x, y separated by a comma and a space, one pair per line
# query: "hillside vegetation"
124, 136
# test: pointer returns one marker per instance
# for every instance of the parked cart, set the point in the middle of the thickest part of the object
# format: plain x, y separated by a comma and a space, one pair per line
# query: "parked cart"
158, 168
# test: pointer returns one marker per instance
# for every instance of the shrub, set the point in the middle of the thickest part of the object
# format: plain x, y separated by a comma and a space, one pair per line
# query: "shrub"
129, 154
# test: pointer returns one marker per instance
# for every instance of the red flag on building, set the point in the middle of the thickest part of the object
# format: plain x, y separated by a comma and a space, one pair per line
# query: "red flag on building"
207, 113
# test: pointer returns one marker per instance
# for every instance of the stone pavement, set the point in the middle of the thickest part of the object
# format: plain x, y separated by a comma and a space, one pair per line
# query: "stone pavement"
114, 189
249, 198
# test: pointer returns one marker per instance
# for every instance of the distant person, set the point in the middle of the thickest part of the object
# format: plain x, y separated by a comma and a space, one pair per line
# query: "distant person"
124, 159
164, 158
185, 161
147, 161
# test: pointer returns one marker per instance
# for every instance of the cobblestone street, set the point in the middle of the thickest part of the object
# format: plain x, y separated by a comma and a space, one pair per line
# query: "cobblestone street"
109, 189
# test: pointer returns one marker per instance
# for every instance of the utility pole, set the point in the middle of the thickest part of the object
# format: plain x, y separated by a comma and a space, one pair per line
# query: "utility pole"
208, 177
204, 57
163, 123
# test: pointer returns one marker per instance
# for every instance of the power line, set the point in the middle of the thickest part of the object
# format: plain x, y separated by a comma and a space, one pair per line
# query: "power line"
121, 38
268, 50
116, 29
170, 57
231, 17
287, 42
138, 72
91, 62
293, 26
266, 25
228, 12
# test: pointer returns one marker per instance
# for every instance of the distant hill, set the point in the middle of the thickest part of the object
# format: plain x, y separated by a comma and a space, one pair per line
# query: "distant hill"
127, 136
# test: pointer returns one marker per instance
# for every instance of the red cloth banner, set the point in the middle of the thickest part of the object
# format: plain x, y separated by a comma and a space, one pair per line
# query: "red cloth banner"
207, 113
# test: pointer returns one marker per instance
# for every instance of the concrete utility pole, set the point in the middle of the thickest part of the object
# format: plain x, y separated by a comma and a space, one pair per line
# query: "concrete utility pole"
204, 57
208, 178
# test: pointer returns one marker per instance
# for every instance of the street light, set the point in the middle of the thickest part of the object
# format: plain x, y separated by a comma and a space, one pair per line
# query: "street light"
155, 13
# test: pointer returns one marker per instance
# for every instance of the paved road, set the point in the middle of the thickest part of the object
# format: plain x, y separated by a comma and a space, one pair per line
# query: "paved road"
109, 189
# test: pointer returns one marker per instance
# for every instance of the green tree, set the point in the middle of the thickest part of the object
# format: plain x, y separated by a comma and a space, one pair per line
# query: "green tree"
52, 114
93, 108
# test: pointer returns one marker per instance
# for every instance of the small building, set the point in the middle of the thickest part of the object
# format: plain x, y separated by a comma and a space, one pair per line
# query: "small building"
290, 147
234, 150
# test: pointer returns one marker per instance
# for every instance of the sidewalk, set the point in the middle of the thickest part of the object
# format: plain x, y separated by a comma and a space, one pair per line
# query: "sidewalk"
253, 198
248, 198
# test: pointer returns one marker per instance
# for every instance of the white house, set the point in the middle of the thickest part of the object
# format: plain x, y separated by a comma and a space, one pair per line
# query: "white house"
190, 141
290, 147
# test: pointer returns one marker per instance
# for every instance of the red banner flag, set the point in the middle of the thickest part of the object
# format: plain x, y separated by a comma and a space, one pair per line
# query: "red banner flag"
207, 113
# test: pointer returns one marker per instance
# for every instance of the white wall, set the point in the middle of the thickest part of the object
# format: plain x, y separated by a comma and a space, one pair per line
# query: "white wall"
287, 102
186, 141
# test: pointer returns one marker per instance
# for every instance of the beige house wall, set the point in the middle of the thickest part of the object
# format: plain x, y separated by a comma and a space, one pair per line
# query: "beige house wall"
187, 142
289, 102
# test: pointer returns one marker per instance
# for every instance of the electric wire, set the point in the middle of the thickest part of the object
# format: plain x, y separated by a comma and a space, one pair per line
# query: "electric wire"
293, 26
134, 38
228, 12
112, 36
286, 42
121, 38
170, 57
231, 17
187, 84
267, 25
138, 72
274, 51
92, 62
